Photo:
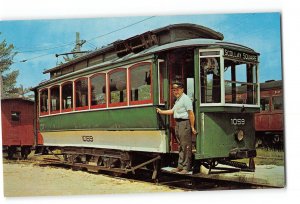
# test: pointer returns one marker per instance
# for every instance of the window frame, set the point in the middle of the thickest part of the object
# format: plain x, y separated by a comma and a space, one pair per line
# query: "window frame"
74, 94
160, 79
222, 80
105, 74
106, 92
273, 104
140, 102
13, 118
48, 109
269, 105
117, 104
214, 53
59, 98
68, 109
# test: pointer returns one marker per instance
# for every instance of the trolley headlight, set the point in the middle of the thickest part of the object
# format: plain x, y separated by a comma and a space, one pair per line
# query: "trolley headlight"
239, 135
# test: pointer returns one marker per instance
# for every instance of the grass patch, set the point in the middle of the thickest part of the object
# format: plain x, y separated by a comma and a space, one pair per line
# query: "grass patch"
267, 157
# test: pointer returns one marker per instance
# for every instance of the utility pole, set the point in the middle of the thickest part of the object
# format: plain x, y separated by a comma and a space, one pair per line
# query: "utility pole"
76, 52
78, 46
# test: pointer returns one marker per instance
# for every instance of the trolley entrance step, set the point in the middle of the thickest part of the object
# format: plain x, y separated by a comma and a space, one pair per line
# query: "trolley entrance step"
169, 169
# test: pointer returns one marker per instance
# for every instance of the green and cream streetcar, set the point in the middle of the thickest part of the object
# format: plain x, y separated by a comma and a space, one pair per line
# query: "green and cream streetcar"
99, 109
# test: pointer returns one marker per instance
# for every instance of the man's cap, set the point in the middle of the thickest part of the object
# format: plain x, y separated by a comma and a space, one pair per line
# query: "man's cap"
176, 85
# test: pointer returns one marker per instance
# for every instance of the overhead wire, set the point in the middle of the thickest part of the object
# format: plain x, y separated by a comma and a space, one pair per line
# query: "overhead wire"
91, 45
88, 41
25, 60
120, 28
45, 49
238, 23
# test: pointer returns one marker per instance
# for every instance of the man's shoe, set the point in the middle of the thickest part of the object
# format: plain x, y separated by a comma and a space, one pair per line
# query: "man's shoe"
184, 172
176, 170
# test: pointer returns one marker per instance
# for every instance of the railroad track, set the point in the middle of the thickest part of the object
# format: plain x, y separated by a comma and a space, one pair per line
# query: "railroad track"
175, 181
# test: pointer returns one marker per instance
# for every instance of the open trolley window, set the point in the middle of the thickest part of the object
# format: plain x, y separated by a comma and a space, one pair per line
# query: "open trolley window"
228, 78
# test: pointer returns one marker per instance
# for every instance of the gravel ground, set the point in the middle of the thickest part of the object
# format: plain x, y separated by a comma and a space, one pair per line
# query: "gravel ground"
32, 180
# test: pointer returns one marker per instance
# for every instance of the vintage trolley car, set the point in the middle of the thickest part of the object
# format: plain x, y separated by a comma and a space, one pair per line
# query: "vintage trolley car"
99, 110
17, 126
269, 122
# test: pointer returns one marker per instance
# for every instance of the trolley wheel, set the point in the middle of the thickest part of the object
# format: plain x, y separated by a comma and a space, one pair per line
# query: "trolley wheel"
196, 168
11, 150
25, 151
258, 142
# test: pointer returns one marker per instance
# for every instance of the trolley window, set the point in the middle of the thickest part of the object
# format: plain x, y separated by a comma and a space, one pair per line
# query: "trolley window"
98, 91
240, 82
277, 102
81, 94
140, 84
15, 116
117, 87
265, 104
54, 100
67, 96
210, 80
44, 102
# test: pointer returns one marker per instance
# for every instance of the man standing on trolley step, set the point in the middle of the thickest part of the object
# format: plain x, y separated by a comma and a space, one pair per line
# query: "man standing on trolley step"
185, 126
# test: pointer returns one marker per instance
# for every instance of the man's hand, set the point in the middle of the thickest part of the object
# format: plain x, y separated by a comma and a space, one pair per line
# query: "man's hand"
158, 110
194, 131
164, 112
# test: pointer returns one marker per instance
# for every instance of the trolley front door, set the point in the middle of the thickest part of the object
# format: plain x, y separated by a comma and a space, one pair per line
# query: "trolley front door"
181, 69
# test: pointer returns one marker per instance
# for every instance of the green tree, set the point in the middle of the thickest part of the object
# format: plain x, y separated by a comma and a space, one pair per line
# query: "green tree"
7, 79
21, 92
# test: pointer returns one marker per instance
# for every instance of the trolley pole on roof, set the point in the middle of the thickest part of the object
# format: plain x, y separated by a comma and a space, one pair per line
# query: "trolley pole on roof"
76, 51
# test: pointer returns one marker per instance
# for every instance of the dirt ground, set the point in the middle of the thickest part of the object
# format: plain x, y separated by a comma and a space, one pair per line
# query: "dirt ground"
26, 178
32, 180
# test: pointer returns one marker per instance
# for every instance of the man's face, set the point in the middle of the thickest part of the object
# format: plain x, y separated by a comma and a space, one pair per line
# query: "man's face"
177, 92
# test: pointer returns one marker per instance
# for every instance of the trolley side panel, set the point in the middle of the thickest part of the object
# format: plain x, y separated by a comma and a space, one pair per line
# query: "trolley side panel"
218, 135
109, 119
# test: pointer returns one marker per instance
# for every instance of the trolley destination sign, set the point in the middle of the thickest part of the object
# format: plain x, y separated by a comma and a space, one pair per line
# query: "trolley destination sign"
238, 55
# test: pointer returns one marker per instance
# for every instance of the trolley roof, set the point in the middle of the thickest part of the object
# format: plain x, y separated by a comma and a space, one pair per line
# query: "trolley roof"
158, 36
271, 84
147, 44
17, 99
207, 43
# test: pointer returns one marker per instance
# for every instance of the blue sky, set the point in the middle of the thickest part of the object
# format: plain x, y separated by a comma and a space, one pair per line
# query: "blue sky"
37, 41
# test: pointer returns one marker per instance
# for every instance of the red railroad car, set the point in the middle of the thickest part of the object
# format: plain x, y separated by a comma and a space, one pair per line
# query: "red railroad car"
17, 126
269, 122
